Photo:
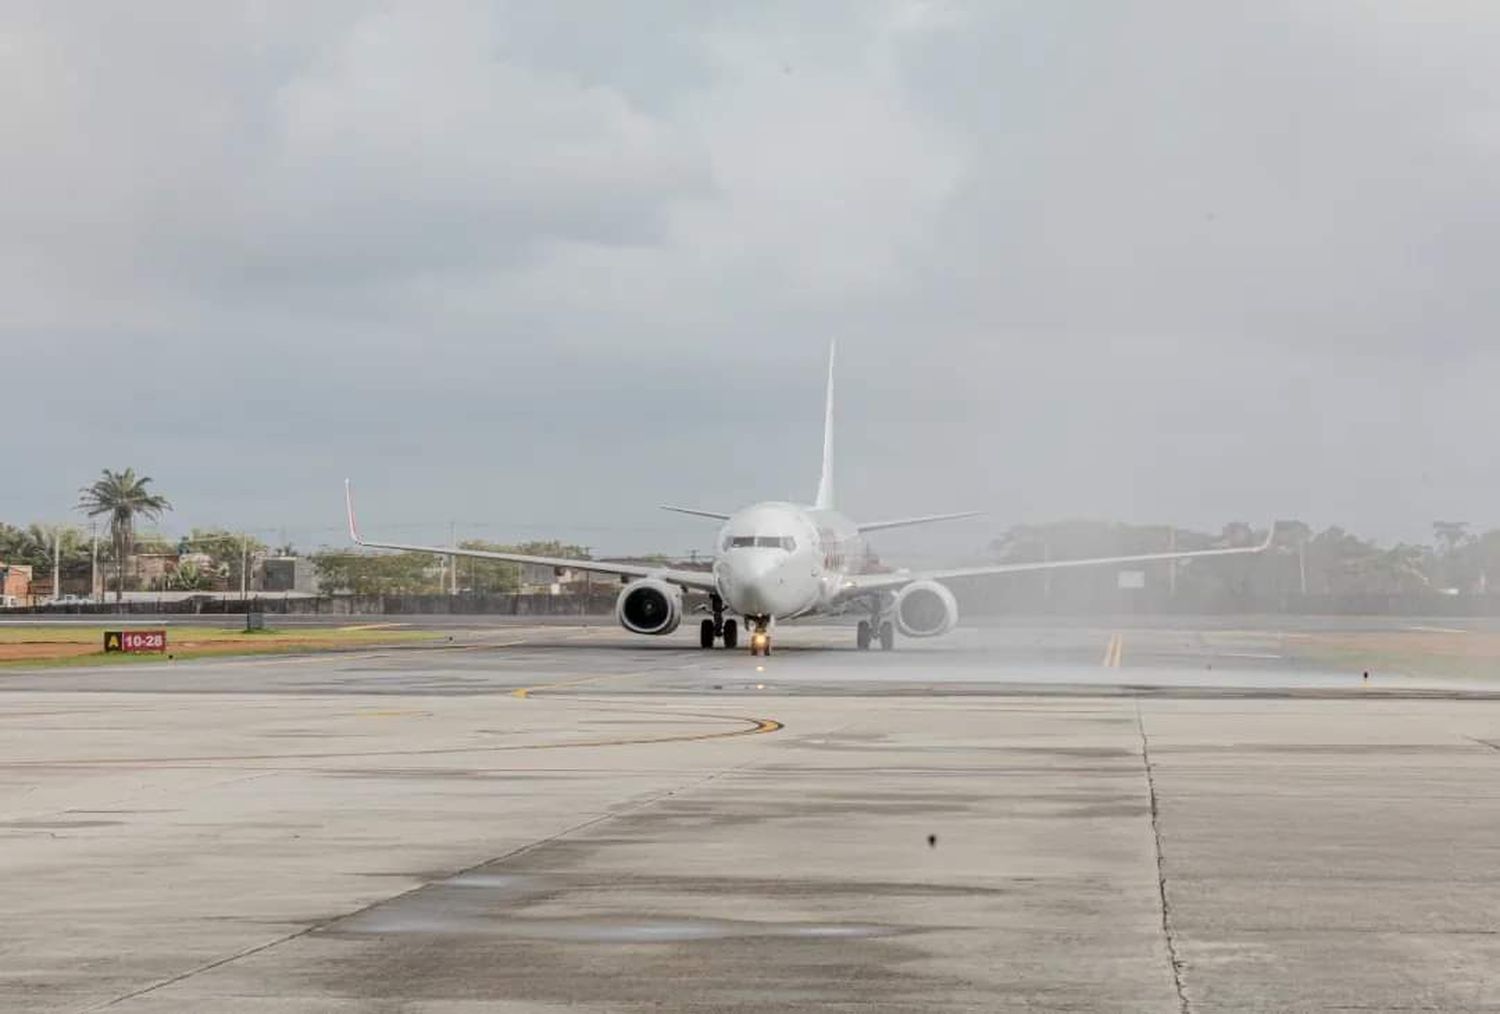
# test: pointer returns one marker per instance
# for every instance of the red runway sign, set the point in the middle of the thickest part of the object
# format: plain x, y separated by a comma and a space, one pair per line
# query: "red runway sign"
135, 640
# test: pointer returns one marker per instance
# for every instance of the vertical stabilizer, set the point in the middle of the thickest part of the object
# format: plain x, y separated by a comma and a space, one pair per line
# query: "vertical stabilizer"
825, 481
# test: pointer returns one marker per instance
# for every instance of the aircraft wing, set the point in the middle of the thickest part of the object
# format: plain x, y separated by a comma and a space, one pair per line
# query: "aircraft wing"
875, 526
859, 584
699, 579
695, 512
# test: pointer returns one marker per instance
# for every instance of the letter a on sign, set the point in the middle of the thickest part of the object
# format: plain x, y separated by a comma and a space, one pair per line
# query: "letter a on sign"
112, 640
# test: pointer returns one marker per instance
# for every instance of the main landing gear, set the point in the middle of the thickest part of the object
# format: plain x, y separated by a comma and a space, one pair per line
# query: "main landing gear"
876, 628
718, 628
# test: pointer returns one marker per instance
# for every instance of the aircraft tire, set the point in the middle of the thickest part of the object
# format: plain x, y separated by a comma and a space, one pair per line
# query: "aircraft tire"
731, 634
862, 635
887, 636
706, 634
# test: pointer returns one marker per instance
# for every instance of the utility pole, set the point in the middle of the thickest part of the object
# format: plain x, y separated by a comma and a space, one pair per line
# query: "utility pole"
1172, 564
56, 563
95, 592
452, 560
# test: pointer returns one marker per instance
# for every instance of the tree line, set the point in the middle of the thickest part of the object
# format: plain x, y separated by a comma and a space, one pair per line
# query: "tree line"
366, 573
1302, 561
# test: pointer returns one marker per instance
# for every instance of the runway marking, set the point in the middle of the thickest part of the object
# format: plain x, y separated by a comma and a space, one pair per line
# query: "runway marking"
1113, 651
524, 692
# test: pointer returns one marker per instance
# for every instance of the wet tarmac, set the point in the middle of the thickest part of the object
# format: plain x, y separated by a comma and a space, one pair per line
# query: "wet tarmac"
1021, 817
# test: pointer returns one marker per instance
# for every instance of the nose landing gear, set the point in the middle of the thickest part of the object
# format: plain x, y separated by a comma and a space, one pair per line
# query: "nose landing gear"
760, 636
718, 628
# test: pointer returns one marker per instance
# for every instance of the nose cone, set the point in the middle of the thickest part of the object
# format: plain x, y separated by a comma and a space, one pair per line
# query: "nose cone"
756, 582
748, 577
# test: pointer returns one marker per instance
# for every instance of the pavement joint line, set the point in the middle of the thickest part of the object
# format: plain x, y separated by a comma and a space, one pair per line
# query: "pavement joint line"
483, 645
1161, 874
754, 726
520, 850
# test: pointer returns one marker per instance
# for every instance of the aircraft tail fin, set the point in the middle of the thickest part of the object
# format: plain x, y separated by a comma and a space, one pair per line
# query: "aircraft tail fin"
824, 500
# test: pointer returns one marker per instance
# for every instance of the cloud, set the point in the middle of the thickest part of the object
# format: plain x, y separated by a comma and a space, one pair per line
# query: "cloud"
1165, 262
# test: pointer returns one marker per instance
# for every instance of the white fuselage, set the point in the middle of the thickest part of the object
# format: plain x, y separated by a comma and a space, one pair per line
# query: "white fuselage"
777, 560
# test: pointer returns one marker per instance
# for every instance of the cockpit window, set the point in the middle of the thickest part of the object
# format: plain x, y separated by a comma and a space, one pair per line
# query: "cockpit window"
764, 541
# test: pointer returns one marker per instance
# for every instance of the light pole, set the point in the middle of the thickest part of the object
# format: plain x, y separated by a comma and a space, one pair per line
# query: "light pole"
1172, 564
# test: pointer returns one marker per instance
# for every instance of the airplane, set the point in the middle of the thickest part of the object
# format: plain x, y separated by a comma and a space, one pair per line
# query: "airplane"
778, 560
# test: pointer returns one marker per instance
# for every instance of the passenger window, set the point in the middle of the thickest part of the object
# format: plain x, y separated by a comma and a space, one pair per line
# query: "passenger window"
739, 541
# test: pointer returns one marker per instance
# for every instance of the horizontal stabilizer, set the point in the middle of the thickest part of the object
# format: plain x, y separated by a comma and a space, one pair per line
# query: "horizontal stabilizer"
875, 526
695, 512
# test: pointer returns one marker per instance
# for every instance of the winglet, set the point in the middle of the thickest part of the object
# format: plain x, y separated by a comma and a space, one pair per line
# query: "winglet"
1270, 537
349, 509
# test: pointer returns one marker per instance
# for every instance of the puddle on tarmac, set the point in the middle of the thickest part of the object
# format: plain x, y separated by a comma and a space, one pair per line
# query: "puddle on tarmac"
483, 904
606, 929
625, 930
490, 880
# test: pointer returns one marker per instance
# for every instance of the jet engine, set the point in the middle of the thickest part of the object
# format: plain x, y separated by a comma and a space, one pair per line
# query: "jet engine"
925, 609
649, 606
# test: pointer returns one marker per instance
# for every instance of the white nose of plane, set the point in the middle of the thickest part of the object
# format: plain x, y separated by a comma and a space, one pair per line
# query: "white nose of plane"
756, 582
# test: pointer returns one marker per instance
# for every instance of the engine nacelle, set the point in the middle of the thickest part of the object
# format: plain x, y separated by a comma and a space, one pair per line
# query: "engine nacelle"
925, 609
649, 606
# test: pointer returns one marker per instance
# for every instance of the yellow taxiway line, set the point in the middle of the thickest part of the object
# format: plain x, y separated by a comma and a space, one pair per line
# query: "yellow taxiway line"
1113, 651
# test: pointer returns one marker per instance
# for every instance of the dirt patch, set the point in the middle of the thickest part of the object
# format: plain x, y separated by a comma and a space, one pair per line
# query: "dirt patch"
1419, 652
35, 651
253, 642
42, 645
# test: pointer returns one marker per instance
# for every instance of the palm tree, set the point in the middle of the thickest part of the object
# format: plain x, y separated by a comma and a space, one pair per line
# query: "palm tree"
123, 496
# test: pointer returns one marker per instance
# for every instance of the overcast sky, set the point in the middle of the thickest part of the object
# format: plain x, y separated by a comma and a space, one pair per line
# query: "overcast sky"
534, 268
